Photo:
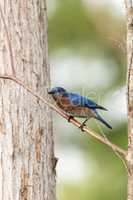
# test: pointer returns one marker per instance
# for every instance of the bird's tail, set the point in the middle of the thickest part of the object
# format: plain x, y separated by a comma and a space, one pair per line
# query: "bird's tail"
101, 108
102, 120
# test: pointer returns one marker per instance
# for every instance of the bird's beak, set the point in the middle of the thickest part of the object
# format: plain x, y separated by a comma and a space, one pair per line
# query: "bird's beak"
49, 91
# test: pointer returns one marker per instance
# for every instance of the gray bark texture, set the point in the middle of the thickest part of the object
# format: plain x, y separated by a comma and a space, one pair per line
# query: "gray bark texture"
26, 137
130, 96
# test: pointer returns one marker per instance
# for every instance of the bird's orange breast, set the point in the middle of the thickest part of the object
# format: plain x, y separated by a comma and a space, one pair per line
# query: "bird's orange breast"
75, 110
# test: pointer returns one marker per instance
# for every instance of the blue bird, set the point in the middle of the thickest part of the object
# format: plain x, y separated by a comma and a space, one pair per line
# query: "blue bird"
77, 106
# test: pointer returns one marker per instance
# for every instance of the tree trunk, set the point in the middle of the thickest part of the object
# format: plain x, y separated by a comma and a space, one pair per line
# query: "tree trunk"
26, 139
130, 97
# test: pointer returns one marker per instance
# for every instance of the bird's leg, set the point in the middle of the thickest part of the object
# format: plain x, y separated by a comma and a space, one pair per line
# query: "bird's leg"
83, 124
70, 117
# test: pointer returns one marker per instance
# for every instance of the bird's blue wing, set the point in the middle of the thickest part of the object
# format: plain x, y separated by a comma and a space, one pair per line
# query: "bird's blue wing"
78, 100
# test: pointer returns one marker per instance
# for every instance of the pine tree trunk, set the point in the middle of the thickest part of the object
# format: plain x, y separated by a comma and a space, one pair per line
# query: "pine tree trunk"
26, 139
130, 97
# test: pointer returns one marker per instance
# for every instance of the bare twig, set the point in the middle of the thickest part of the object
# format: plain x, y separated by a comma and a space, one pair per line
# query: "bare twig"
124, 162
8, 40
86, 130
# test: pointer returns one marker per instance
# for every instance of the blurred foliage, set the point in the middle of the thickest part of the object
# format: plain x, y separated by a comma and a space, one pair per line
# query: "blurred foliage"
89, 32
92, 32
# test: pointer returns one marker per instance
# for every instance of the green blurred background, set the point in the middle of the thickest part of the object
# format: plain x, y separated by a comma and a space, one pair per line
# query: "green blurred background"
87, 55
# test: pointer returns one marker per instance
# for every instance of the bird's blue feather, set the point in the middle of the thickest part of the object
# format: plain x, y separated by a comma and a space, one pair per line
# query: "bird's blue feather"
79, 100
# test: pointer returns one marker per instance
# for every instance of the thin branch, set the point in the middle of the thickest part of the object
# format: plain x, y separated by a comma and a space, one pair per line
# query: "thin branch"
124, 162
86, 130
8, 40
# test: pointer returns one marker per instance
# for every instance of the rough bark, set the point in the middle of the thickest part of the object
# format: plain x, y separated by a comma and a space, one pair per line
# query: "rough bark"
130, 96
26, 140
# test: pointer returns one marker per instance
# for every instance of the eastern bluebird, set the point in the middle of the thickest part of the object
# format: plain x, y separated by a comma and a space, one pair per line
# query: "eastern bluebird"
76, 105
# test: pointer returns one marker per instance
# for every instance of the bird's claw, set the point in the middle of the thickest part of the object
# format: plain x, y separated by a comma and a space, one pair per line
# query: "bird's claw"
70, 117
82, 127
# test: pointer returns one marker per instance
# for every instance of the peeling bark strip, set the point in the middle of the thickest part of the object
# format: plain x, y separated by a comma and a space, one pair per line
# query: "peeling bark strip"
24, 184
26, 139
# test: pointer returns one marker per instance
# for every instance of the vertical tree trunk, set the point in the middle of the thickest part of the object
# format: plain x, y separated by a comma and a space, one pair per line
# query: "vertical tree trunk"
26, 140
130, 96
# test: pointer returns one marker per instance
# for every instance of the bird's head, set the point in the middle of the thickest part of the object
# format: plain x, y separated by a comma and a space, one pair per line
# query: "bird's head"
57, 91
